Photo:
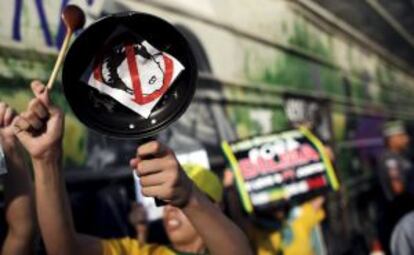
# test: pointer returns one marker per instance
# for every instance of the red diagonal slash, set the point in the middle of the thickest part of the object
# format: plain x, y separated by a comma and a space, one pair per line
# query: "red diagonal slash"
136, 82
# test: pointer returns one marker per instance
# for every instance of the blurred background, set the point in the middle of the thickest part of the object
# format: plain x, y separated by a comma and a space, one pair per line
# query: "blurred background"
264, 65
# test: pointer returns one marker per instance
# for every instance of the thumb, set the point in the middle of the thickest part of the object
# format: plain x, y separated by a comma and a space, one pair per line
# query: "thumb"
41, 92
20, 127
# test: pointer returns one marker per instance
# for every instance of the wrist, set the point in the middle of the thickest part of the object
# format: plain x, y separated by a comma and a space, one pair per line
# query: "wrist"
195, 199
50, 157
45, 163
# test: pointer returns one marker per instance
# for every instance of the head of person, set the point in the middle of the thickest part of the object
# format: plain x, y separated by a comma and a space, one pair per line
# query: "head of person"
178, 227
396, 137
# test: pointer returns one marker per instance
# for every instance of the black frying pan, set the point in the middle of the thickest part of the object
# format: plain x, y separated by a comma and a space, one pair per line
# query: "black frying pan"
103, 114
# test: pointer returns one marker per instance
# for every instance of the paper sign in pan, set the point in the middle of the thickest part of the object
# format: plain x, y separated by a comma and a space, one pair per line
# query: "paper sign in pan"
129, 75
132, 71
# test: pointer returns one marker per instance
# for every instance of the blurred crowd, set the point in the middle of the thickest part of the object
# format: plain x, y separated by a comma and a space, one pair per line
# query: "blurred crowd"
202, 212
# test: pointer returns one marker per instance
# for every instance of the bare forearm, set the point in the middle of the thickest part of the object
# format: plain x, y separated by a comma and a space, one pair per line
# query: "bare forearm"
53, 208
236, 211
16, 246
19, 203
55, 216
219, 234
20, 234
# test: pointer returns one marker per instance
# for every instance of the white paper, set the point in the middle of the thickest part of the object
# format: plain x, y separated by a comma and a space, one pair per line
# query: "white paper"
152, 74
199, 157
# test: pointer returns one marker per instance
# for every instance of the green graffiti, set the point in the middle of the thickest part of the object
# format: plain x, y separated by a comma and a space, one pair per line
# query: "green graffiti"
304, 40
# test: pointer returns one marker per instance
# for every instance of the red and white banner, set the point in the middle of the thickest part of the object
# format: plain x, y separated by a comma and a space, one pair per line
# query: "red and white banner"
132, 71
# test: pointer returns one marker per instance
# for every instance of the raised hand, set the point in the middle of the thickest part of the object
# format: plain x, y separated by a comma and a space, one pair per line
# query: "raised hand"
7, 115
161, 175
40, 127
17, 191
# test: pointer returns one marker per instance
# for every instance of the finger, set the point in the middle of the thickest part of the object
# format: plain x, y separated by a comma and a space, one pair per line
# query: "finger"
153, 191
21, 124
146, 167
133, 163
37, 87
159, 192
152, 148
38, 108
33, 120
3, 107
54, 110
152, 180
9, 116
22, 134
41, 92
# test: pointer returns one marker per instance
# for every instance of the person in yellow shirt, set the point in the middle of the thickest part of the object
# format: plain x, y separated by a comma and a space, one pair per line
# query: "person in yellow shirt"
195, 224
295, 236
179, 229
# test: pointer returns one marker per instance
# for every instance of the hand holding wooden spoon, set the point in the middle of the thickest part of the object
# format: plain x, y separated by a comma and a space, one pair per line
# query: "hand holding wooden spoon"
74, 19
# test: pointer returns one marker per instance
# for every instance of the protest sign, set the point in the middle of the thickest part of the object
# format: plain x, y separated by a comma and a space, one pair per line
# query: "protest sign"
278, 168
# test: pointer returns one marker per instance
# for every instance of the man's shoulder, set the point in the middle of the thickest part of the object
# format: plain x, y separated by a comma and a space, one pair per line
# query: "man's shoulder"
403, 235
406, 224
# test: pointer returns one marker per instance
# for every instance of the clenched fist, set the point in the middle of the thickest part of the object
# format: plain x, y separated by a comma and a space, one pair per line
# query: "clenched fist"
40, 127
161, 176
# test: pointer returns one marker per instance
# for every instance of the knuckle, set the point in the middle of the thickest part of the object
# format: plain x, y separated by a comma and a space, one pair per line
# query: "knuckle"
145, 166
143, 182
33, 102
32, 116
172, 163
140, 168
58, 112
24, 114
141, 149
175, 178
145, 192
156, 146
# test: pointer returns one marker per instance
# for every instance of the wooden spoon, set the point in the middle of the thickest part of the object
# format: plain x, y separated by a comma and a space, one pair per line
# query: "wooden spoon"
74, 19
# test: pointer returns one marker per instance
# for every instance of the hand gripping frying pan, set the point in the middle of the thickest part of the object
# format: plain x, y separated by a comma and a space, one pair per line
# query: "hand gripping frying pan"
105, 115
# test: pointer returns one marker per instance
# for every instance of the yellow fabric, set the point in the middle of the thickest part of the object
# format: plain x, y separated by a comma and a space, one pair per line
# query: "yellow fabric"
128, 246
267, 243
206, 181
301, 229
